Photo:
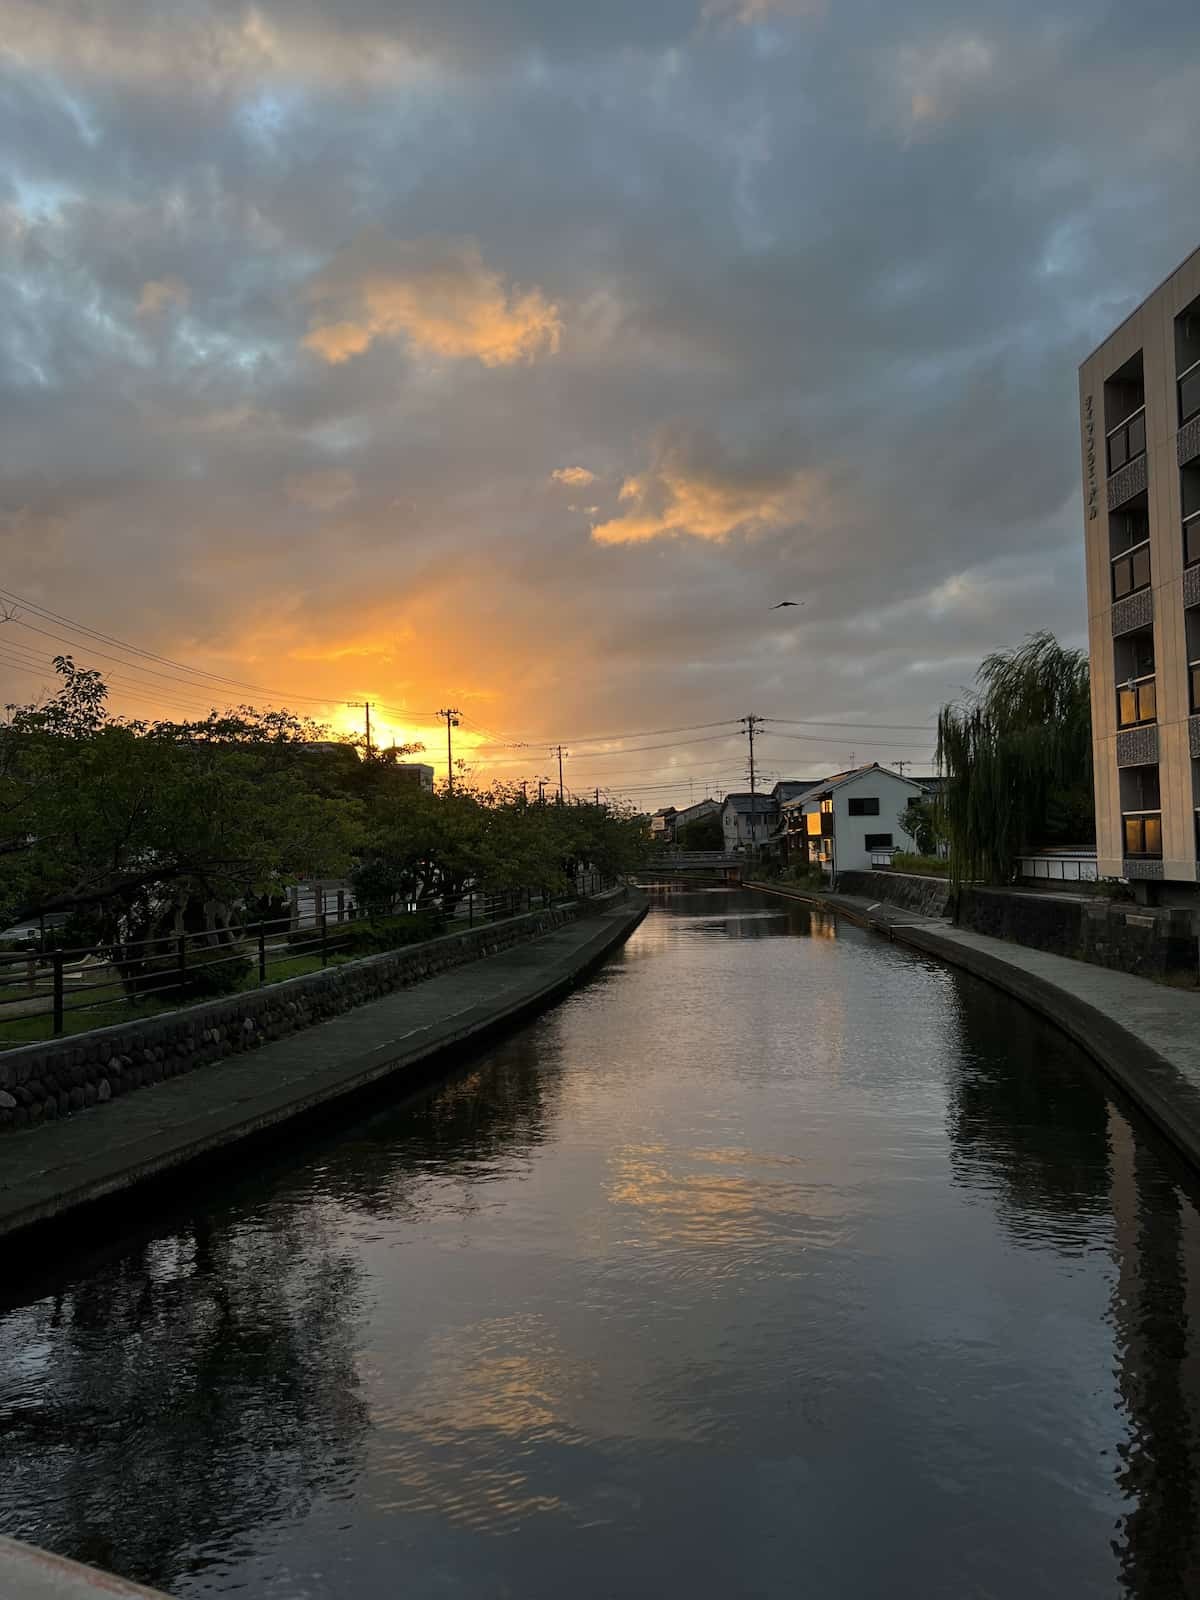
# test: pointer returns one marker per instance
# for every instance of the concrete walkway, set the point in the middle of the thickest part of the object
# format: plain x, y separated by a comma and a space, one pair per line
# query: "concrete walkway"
57, 1167
1146, 1036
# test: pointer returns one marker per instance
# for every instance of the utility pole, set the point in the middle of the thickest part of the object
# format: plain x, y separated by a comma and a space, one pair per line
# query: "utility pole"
363, 705
750, 724
900, 766
597, 797
560, 752
451, 717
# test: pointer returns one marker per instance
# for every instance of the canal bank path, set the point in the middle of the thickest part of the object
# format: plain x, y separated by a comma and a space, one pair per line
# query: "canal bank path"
1145, 1035
55, 1169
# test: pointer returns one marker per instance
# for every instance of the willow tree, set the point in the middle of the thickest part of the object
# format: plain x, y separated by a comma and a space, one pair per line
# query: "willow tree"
1017, 759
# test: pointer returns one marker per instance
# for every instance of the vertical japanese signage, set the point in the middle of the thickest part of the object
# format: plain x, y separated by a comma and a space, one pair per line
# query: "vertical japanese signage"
1092, 492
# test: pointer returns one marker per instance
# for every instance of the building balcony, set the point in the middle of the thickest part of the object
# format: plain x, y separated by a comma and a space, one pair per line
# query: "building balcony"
1137, 703
1191, 540
1142, 832
1188, 388
1131, 569
1127, 441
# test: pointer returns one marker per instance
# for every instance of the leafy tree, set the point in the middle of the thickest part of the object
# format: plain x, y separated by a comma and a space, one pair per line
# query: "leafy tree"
155, 829
1017, 756
705, 833
921, 821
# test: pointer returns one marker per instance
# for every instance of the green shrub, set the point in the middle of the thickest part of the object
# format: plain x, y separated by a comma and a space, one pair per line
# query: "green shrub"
925, 866
375, 935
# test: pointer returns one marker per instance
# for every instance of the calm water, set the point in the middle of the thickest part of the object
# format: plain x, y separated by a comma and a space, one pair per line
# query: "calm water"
776, 1261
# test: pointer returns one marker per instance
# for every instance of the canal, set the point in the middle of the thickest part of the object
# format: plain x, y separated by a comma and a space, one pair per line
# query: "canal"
776, 1260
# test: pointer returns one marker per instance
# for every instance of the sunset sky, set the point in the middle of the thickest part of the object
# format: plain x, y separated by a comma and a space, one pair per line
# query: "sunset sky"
518, 355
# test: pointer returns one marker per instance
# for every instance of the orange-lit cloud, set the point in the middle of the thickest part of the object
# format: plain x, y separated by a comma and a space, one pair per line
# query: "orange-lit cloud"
575, 477
159, 293
437, 293
694, 492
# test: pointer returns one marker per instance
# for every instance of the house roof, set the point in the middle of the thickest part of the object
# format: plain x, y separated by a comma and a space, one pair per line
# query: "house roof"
837, 779
789, 788
748, 802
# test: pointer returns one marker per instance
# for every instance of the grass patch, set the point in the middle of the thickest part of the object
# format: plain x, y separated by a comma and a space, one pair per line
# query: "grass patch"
922, 866
109, 1005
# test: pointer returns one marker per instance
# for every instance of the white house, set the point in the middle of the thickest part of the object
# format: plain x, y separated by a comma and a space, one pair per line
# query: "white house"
852, 816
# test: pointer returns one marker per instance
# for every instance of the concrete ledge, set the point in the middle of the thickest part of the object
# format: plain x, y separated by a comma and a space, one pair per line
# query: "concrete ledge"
27, 1573
51, 1172
1164, 1090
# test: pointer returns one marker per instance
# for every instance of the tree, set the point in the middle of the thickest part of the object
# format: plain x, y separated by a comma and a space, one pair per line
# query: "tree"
921, 821
157, 828
1017, 756
704, 833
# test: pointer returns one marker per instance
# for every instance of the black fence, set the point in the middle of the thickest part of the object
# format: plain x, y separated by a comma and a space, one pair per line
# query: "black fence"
50, 983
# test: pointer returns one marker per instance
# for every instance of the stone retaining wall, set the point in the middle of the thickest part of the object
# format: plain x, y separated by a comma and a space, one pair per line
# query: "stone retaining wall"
1149, 942
42, 1081
912, 890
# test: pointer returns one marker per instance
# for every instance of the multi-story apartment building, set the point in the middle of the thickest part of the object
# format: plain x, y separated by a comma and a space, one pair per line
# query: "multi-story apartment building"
1139, 399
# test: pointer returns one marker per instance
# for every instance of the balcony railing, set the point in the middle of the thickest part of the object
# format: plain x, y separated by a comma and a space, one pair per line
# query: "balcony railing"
1127, 441
1131, 570
1136, 703
1188, 385
1191, 539
1143, 833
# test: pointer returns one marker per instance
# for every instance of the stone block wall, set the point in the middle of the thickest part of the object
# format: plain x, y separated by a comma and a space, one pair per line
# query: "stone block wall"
915, 892
43, 1081
1150, 942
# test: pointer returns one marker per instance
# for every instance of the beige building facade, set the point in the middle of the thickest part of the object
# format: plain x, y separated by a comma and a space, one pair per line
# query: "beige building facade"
1139, 398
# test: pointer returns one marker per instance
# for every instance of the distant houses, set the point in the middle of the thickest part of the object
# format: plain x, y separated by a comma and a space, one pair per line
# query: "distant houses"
845, 822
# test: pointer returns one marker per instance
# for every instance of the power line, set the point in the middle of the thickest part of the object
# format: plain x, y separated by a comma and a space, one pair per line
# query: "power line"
886, 727
194, 677
608, 738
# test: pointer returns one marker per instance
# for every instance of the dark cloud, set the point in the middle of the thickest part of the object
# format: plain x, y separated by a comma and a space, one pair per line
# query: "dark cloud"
803, 288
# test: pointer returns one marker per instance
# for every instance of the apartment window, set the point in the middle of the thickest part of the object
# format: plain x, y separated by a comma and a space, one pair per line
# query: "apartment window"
878, 841
1191, 635
1133, 662
1143, 836
1129, 547
1141, 811
1187, 362
865, 806
1125, 414
1189, 495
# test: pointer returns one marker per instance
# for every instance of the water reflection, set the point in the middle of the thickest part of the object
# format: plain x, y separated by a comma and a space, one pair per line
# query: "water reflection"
204, 1380
775, 1257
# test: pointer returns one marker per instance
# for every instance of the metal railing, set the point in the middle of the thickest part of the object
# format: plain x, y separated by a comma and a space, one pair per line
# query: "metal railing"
1191, 539
1127, 440
1131, 570
1060, 866
1188, 387
1137, 702
52, 982
1142, 833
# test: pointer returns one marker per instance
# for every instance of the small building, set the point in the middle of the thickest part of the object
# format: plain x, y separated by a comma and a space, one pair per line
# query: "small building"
416, 772
849, 820
662, 826
747, 819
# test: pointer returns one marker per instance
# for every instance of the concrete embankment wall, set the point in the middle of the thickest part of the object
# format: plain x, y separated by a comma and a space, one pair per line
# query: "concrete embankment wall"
44, 1081
909, 890
1148, 942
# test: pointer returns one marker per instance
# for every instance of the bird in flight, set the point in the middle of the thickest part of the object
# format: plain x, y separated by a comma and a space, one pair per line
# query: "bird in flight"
787, 603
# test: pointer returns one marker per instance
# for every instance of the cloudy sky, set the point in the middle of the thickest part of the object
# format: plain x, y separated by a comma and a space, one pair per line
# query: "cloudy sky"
520, 354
